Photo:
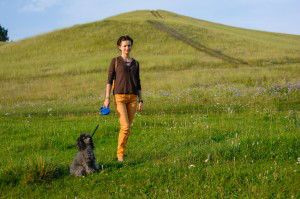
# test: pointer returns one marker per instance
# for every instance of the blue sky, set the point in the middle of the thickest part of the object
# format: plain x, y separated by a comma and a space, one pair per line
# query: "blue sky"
26, 18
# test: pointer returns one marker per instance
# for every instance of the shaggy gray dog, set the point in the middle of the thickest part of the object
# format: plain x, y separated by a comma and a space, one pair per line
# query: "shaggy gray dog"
84, 161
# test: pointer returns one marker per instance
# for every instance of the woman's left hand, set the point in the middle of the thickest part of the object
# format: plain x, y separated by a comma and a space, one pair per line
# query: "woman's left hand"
140, 106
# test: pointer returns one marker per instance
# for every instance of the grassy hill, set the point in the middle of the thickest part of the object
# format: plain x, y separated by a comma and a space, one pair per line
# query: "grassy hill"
221, 115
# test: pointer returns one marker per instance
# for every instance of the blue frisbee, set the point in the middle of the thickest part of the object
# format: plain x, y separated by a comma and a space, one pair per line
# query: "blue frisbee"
104, 110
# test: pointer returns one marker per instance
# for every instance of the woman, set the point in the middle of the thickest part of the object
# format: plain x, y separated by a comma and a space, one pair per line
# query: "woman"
124, 71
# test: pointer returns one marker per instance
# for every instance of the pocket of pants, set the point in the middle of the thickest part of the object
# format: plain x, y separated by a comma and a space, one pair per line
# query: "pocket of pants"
133, 97
120, 98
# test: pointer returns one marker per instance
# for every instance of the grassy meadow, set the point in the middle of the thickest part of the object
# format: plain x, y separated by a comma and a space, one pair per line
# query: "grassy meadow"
221, 115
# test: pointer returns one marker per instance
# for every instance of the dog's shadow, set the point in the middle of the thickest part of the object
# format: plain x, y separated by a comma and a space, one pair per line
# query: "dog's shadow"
61, 171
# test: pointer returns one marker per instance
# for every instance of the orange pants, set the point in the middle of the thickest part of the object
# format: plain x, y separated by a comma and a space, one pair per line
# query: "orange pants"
126, 105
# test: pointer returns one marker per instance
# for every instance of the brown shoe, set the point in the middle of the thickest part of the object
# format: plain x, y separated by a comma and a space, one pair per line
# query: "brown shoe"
120, 159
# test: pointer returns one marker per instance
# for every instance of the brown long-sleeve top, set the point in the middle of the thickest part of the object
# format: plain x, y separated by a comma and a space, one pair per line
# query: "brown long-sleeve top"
127, 77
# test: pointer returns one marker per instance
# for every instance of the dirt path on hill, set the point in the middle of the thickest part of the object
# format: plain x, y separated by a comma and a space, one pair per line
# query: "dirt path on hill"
156, 14
196, 45
158, 24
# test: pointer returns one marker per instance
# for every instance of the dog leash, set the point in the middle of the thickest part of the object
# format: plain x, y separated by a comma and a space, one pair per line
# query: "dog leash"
95, 130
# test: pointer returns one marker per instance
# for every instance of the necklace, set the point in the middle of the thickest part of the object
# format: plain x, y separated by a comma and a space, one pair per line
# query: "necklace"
127, 61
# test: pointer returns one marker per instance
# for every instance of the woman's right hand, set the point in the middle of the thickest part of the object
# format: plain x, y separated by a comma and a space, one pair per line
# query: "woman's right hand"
106, 102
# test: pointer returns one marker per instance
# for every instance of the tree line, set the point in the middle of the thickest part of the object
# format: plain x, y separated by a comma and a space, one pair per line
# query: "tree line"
3, 34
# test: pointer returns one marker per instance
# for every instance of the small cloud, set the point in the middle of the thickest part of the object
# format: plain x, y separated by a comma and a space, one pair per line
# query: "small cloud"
38, 5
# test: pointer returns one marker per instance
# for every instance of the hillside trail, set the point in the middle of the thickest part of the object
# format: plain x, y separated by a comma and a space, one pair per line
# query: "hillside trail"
156, 14
196, 45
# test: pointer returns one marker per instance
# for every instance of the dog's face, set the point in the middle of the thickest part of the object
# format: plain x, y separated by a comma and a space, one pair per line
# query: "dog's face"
85, 140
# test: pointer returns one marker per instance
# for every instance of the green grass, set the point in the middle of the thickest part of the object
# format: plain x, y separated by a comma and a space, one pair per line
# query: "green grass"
210, 128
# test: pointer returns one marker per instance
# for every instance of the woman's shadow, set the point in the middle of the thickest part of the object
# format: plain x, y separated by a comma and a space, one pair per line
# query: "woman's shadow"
115, 165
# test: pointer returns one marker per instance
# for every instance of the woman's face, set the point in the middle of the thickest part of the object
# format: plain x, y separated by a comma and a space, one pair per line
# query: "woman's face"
125, 47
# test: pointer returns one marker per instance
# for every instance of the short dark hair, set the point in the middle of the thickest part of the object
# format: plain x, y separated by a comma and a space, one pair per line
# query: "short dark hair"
124, 38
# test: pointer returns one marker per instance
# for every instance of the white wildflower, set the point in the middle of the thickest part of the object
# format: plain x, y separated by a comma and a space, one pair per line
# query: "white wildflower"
208, 158
191, 166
